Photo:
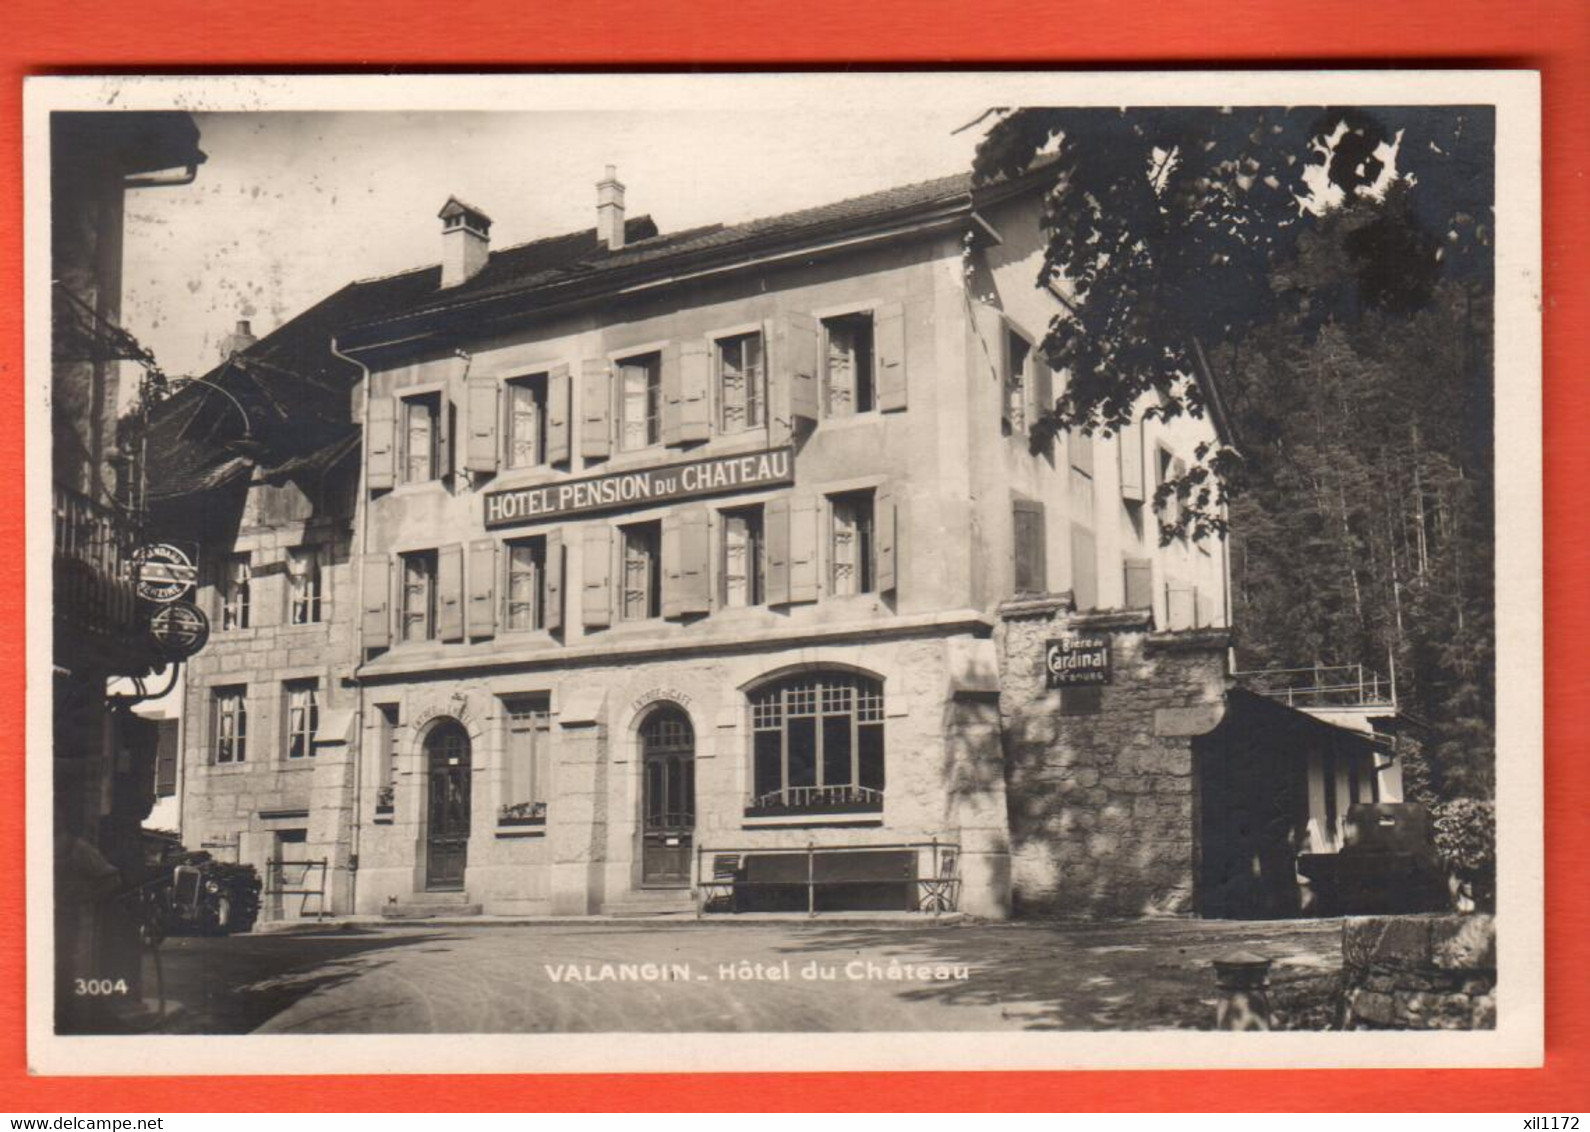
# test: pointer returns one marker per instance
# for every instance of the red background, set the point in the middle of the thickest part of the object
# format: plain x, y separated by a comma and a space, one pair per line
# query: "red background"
88, 36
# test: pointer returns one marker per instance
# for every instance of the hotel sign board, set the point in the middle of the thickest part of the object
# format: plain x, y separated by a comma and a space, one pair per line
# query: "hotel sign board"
1078, 661
712, 475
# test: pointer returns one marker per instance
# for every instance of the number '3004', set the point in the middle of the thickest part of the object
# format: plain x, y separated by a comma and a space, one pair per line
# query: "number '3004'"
97, 987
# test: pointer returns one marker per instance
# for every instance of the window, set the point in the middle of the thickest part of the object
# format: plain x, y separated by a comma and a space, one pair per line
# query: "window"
421, 430
1166, 469
639, 402
527, 421
847, 365
234, 584
303, 585
303, 717
853, 566
523, 595
1019, 352
529, 750
817, 743
642, 580
387, 719
419, 596
740, 385
230, 709
742, 558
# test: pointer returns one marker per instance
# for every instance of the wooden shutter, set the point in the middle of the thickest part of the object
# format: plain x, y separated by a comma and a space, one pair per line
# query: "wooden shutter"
888, 344
558, 382
1042, 385
794, 373
167, 753
685, 551
885, 532
381, 445
1081, 446
695, 555
596, 565
596, 406
375, 624
695, 379
1132, 462
1031, 551
1084, 568
480, 446
803, 548
671, 562
450, 592
552, 594
446, 427
775, 530
1139, 583
672, 395
483, 569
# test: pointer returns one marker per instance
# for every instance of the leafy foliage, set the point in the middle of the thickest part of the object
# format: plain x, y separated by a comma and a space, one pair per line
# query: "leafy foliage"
1465, 838
1327, 273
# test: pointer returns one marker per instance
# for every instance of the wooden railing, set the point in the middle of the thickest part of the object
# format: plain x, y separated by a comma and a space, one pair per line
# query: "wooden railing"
93, 578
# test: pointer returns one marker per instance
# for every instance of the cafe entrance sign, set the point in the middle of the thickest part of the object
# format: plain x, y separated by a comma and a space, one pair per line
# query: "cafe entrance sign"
179, 629
712, 475
164, 572
1078, 661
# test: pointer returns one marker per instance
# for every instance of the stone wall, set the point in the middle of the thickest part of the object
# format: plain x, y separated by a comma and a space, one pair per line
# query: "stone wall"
1419, 972
1099, 780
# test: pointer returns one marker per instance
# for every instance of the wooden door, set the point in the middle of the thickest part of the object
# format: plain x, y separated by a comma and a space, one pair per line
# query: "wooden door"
668, 802
447, 831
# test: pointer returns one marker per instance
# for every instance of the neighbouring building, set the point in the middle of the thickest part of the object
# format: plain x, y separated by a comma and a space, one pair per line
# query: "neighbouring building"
723, 562
103, 756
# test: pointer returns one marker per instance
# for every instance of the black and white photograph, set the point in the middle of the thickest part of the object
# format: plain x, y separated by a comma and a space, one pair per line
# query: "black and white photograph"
717, 571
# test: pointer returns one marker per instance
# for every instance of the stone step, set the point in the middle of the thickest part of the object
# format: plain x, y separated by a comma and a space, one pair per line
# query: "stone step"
431, 906
652, 902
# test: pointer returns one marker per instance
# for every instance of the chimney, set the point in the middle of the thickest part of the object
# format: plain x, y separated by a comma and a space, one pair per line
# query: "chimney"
466, 241
237, 341
610, 211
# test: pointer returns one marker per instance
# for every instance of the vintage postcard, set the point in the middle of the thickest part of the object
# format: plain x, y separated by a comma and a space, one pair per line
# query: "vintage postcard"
659, 572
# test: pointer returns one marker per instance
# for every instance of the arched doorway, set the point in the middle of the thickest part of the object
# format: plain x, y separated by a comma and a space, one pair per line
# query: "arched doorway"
668, 797
447, 828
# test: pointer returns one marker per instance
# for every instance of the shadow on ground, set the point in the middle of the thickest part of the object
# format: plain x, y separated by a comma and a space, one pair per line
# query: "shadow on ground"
234, 984
1140, 975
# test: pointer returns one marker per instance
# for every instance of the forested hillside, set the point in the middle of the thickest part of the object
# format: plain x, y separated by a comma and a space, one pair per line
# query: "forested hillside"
1329, 273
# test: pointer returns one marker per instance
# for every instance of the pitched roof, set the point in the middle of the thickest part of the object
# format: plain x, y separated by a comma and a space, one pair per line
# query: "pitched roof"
191, 451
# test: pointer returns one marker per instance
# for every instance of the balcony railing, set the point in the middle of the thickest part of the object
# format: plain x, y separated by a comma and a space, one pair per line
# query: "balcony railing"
816, 800
93, 569
1341, 685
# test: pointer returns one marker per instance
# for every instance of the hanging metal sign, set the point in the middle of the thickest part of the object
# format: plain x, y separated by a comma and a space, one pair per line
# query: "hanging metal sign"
164, 572
1079, 661
179, 629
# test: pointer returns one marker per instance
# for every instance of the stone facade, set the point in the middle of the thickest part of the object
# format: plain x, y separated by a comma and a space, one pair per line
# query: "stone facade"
942, 767
427, 641
269, 807
1100, 780
1420, 972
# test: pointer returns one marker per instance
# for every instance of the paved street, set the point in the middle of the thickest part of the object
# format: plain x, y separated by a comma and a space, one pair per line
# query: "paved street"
790, 976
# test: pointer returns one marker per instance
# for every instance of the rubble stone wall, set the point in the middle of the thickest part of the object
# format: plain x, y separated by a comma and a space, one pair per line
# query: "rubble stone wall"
1434, 972
1099, 780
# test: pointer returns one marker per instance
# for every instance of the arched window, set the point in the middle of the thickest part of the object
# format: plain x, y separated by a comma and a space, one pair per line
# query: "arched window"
817, 744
